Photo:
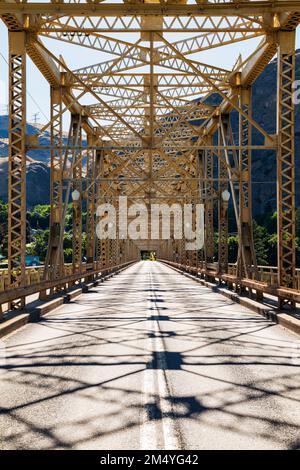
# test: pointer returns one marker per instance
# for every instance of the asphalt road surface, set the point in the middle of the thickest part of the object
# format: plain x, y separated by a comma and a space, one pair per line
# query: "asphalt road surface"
150, 360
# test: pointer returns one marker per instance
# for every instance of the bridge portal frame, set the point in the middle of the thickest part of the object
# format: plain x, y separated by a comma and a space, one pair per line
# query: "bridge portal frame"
277, 23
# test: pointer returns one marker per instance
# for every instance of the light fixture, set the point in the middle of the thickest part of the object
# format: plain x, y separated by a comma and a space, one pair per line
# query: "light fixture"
75, 195
225, 195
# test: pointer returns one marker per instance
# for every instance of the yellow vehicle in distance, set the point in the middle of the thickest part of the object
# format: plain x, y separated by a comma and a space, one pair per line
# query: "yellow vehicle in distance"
148, 255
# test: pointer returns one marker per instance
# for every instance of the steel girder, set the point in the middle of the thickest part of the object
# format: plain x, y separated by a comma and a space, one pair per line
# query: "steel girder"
17, 161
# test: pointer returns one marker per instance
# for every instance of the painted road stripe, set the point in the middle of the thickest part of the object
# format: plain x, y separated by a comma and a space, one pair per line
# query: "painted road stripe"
155, 382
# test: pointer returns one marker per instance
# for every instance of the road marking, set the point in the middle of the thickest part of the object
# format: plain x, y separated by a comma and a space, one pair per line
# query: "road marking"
148, 433
164, 392
155, 384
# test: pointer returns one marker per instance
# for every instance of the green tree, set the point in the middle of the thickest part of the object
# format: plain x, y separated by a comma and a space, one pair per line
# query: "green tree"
3, 228
39, 244
272, 249
298, 222
260, 239
68, 253
38, 218
233, 246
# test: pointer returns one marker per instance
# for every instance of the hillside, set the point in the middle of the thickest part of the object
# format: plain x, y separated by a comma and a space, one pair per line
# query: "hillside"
39, 155
37, 182
264, 163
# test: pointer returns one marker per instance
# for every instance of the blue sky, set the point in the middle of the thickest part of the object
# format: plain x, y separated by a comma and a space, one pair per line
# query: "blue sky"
75, 57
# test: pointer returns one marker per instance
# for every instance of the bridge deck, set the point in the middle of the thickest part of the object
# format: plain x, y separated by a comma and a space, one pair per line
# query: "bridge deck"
150, 359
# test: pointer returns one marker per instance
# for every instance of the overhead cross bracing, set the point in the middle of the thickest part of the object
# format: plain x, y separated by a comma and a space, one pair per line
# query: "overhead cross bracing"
151, 120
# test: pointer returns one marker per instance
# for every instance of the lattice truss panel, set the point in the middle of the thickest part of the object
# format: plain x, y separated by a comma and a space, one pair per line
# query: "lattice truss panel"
286, 168
17, 161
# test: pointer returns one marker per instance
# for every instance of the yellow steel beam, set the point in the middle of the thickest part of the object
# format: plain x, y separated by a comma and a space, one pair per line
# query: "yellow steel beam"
232, 8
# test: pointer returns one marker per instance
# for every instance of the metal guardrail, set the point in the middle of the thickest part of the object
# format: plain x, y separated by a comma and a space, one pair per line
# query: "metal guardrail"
268, 274
34, 275
263, 286
67, 281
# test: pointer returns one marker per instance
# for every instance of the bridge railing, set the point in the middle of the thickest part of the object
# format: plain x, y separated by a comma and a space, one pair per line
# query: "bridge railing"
35, 283
268, 274
34, 275
268, 284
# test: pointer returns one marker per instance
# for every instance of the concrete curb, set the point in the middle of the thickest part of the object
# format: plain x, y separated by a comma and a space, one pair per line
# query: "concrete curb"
13, 324
284, 319
36, 313
72, 295
289, 322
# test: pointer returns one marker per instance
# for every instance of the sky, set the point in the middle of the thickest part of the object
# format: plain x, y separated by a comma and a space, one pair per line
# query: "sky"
75, 57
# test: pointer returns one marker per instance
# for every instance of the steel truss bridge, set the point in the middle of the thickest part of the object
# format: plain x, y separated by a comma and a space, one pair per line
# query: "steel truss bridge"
143, 125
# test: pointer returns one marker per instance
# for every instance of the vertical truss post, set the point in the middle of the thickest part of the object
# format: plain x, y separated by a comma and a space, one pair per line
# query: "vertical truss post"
77, 187
17, 163
102, 245
129, 250
54, 258
176, 252
192, 254
247, 265
110, 249
105, 256
126, 250
200, 175
168, 251
90, 201
121, 251
106, 250
116, 242
98, 168
286, 160
114, 252
208, 206
194, 200
183, 256
222, 213
171, 241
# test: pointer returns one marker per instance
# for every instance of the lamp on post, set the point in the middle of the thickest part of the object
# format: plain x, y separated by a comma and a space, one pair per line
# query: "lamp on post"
225, 196
75, 195
223, 231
